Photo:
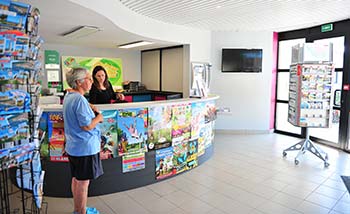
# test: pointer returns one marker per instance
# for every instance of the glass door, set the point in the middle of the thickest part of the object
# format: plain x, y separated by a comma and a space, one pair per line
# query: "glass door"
331, 135
284, 61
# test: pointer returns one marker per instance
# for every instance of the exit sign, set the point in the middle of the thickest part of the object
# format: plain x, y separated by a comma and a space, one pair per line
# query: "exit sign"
326, 28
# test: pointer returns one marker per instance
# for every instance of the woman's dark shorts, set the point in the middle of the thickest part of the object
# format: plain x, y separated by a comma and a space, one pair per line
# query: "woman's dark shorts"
86, 167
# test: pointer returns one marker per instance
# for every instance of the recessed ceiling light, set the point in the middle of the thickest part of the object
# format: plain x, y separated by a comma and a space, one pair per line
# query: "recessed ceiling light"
135, 44
218, 6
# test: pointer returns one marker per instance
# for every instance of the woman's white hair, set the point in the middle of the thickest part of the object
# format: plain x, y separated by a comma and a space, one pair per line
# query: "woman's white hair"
74, 75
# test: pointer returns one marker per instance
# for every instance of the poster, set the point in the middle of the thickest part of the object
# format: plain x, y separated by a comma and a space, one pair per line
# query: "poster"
132, 130
198, 109
164, 163
207, 134
109, 134
201, 146
180, 156
159, 127
181, 123
113, 67
133, 162
56, 137
192, 151
210, 111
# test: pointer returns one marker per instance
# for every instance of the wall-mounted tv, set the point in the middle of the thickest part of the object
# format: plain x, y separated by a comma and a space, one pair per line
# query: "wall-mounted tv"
241, 60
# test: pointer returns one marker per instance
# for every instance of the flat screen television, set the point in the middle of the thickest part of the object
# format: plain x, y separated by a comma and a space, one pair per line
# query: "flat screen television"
241, 60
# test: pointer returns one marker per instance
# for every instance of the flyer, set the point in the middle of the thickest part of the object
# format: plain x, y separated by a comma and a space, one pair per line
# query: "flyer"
133, 162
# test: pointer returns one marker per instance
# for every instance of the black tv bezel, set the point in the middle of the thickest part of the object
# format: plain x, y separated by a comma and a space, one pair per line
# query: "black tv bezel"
241, 71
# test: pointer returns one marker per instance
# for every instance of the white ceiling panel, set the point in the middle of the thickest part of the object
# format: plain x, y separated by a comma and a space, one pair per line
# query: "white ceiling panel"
243, 15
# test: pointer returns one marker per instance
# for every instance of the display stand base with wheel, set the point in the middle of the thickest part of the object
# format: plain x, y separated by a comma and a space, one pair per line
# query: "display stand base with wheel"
307, 145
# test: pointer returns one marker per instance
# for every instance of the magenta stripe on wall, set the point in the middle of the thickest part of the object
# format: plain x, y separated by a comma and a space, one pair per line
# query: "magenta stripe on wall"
273, 79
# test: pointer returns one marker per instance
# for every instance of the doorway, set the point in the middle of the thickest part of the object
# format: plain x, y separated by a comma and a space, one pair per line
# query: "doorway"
338, 133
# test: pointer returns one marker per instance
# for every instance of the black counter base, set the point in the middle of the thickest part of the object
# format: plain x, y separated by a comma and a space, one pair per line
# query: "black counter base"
58, 178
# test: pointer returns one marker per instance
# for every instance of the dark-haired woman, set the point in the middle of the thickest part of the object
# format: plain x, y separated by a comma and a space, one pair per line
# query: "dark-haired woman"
102, 91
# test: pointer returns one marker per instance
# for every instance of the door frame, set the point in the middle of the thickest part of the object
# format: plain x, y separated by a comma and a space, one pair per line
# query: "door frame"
341, 28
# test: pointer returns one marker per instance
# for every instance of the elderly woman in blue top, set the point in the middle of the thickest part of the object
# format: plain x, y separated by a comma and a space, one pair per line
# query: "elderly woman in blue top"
82, 137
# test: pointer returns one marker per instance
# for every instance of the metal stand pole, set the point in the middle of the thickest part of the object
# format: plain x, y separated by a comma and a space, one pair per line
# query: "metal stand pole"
307, 145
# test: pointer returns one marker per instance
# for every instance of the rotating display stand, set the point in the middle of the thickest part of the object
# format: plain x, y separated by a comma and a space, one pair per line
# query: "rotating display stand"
310, 94
20, 69
307, 145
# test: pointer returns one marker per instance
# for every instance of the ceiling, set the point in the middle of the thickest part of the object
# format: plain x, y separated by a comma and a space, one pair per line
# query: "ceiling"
243, 15
58, 17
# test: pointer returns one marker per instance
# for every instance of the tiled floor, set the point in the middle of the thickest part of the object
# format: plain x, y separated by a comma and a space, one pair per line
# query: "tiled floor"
247, 174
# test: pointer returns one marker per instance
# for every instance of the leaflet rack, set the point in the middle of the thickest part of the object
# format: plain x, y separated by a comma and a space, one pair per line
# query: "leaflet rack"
310, 94
19, 111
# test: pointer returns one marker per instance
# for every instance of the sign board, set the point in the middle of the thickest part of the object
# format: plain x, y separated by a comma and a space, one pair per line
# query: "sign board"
326, 28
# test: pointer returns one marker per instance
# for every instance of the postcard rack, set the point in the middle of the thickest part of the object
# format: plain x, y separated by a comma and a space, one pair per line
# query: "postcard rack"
310, 94
21, 177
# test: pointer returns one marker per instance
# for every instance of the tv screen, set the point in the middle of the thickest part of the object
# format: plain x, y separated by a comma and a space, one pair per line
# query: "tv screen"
241, 60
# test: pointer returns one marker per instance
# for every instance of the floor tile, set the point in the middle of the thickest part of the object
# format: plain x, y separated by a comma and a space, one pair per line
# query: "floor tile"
162, 188
308, 207
274, 208
196, 206
287, 200
330, 192
179, 197
159, 205
342, 207
246, 174
321, 200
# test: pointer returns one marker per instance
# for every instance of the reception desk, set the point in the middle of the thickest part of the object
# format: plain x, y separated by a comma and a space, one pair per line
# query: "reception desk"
172, 137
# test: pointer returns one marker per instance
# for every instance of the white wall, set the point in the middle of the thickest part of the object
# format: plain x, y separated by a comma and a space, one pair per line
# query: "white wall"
131, 60
248, 95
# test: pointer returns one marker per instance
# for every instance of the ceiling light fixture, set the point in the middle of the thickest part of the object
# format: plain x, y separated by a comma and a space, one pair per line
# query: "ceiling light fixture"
81, 31
135, 44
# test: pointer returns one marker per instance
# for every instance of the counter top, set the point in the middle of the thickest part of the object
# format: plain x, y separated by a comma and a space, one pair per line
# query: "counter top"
55, 107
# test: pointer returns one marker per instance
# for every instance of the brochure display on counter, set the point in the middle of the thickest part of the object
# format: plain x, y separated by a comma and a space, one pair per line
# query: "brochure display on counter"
141, 143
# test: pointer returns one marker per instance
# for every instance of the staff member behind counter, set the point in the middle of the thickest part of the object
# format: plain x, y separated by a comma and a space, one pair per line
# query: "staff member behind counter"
102, 91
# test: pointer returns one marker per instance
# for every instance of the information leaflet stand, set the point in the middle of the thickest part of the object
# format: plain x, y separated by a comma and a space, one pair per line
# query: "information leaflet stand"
310, 100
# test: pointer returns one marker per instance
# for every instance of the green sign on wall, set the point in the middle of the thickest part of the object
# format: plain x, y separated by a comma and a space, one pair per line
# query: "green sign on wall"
52, 59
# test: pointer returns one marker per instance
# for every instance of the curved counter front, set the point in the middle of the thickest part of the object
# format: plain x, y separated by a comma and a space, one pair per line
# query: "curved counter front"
141, 143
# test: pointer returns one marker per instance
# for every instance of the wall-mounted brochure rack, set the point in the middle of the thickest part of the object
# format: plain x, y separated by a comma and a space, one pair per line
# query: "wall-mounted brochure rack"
19, 111
310, 103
